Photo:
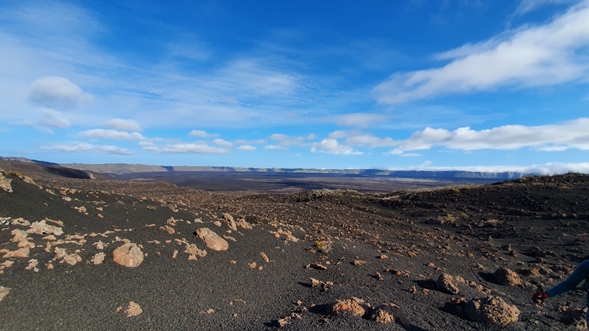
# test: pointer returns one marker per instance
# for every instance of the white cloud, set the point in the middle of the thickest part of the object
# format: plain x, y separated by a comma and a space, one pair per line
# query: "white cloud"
551, 168
246, 148
123, 125
196, 147
250, 142
359, 120
531, 56
148, 146
359, 138
222, 143
332, 146
87, 148
53, 119
275, 148
202, 134
110, 134
57, 92
554, 137
285, 140
526, 6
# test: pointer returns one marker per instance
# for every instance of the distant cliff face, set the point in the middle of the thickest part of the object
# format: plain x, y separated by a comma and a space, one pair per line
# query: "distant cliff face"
121, 168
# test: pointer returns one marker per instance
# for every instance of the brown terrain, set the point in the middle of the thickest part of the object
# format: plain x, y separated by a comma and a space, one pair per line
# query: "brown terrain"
98, 254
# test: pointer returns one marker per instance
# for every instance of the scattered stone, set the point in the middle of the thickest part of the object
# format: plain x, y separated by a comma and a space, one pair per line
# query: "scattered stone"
71, 259
5, 183
318, 266
359, 262
175, 254
19, 235
507, 277
168, 229
491, 309
207, 312
324, 286
19, 253
230, 222
355, 306
193, 252
323, 246
445, 283
20, 221
4, 292
133, 309
212, 240
128, 255
384, 313
288, 235
252, 265
264, 257
99, 245
32, 265
244, 224
98, 258
42, 228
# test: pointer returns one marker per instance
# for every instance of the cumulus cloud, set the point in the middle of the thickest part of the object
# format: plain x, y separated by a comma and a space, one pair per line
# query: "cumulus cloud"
148, 146
123, 125
222, 143
548, 54
56, 92
551, 168
87, 148
196, 148
275, 148
554, 137
251, 142
53, 119
110, 134
202, 134
332, 146
246, 148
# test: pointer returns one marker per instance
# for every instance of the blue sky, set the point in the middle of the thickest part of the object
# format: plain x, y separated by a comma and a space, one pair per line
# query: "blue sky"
449, 84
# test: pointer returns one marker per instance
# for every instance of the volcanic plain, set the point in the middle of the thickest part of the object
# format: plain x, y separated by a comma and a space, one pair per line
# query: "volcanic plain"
103, 254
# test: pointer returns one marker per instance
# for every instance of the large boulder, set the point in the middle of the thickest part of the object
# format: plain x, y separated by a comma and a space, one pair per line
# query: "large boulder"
491, 309
445, 283
212, 240
129, 255
507, 277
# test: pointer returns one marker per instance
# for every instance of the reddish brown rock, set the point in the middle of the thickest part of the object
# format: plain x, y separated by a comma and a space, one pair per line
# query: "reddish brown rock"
133, 309
445, 283
507, 277
355, 306
384, 313
129, 255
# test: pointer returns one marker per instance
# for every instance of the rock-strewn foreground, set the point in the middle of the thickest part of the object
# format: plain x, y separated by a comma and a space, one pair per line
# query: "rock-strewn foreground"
104, 255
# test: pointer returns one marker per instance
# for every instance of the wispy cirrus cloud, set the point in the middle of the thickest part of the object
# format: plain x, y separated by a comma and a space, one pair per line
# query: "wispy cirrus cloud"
195, 147
202, 134
541, 55
246, 148
550, 168
87, 148
110, 134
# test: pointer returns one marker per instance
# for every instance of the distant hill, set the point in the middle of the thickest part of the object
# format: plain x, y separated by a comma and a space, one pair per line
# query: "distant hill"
43, 169
121, 168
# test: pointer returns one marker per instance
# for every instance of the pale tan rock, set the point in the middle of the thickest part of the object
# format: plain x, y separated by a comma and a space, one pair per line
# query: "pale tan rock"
286, 233
491, 309
29, 180
59, 223
71, 259
212, 240
445, 283
32, 264
19, 253
5, 183
26, 243
4, 292
128, 255
385, 313
507, 277
355, 306
244, 224
252, 265
175, 254
20, 221
99, 245
133, 309
230, 221
19, 235
264, 257
49, 237
193, 252
168, 229
42, 228
98, 258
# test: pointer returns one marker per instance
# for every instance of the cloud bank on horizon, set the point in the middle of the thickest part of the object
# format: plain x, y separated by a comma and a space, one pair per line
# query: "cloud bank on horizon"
406, 85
